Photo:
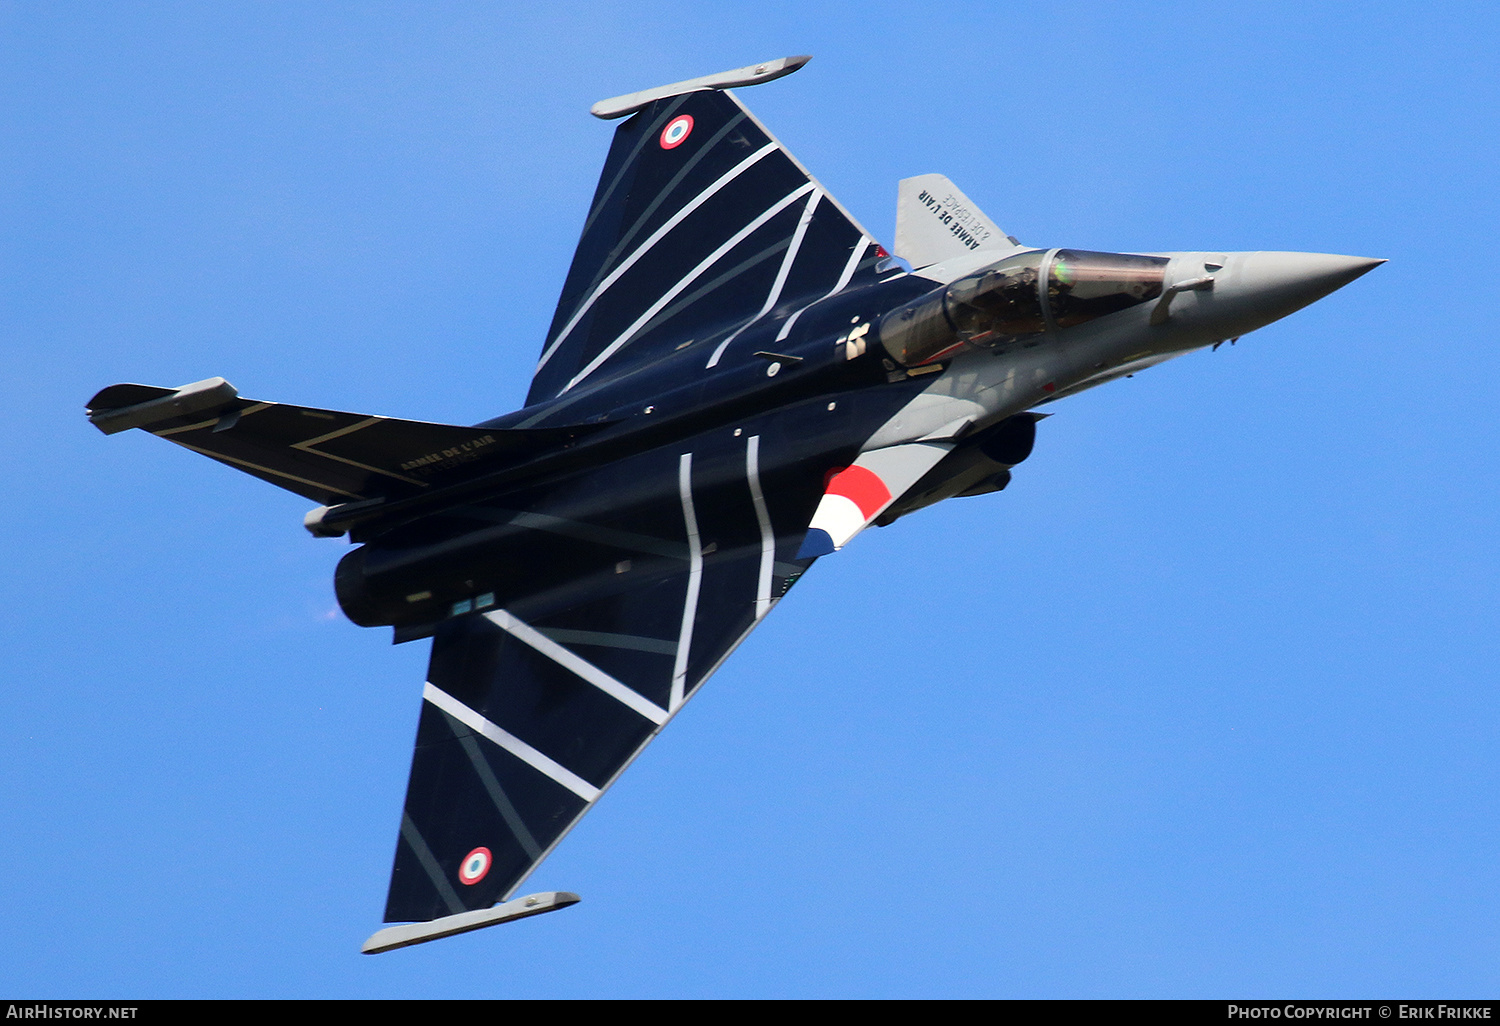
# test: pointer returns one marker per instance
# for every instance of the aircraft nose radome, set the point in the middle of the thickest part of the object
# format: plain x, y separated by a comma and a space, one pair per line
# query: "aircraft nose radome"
1280, 283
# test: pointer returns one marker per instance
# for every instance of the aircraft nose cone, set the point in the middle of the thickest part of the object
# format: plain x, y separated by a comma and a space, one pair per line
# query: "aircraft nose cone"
1264, 287
1297, 279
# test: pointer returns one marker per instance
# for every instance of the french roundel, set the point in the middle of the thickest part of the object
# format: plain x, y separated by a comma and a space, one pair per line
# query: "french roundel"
474, 866
677, 131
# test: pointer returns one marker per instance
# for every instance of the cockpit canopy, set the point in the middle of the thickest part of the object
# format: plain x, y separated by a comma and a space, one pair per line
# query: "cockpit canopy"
1017, 299
1083, 285
998, 303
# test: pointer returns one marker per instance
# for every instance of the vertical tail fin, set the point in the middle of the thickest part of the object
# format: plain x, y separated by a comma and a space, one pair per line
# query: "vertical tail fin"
935, 221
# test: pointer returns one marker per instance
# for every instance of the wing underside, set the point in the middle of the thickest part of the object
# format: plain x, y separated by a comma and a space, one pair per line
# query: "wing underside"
701, 223
530, 711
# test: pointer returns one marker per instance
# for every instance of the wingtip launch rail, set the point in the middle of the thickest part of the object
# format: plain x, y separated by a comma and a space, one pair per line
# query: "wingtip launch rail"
393, 937
122, 407
753, 74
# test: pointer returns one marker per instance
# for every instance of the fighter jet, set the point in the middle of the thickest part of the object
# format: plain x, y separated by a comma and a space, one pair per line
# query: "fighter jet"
738, 380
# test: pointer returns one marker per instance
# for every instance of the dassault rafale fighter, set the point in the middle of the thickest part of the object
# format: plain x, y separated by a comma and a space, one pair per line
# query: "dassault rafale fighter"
738, 380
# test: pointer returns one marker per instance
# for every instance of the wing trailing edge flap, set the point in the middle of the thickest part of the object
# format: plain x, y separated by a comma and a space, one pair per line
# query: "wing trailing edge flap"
855, 495
328, 456
936, 223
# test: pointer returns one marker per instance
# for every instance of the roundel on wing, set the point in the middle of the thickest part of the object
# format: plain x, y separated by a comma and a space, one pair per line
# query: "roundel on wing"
474, 866
677, 131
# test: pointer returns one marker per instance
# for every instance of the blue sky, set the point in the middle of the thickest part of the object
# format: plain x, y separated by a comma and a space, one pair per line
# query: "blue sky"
1204, 704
